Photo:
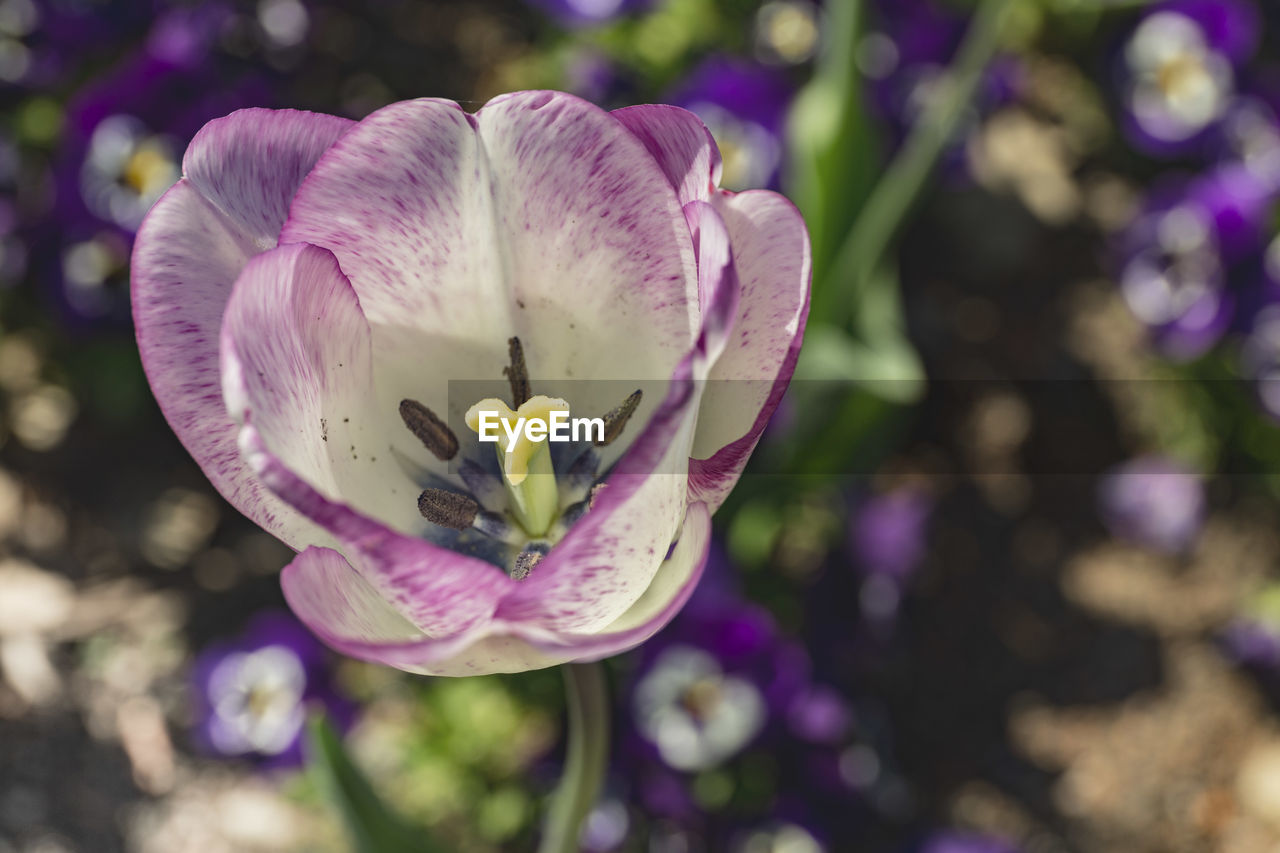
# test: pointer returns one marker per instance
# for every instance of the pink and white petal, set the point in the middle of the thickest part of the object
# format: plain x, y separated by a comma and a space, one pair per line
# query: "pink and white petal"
187, 255
348, 615
666, 594
459, 231
772, 258
681, 144
296, 361
599, 254
338, 605
718, 290
251, 163
610, 557
444, 593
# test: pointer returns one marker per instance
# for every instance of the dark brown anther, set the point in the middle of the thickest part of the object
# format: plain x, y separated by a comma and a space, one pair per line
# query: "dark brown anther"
517, 374
615, 421
434, 433
525, 561
448, 509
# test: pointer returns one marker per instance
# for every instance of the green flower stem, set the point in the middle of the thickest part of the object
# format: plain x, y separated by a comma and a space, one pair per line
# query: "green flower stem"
586, 759
868, 240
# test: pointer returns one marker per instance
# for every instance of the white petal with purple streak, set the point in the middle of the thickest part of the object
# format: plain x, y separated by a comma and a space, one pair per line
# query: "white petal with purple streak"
772, 259
240, 174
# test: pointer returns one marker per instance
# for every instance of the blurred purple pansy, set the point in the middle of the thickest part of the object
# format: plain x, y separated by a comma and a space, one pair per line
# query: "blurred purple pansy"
888, 532
252, 696
744, 104
694, 713
1179, 67
1250, 136
121, 152
904, 57
1260, 351
1153, 501
1173, 272
888, 539
311, 286
819, 714
721, 674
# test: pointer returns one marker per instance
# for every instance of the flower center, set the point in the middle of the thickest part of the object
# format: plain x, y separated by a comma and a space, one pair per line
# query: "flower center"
526, 507
527, 473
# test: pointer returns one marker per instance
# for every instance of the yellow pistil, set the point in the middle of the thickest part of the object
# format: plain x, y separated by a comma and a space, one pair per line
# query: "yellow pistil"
525, 461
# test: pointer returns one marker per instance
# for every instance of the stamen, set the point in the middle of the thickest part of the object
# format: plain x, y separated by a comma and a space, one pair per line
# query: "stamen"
517, 374
448, 509
526, 560
615, 421
434, 433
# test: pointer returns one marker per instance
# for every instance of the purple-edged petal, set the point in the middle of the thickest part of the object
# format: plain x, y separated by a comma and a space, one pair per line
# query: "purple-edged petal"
608, 558
240, 172
681, 144
771, 255
540, 216
296, 371
666, 594
338, 605
296, 361
348, 614
442, 592
718, 290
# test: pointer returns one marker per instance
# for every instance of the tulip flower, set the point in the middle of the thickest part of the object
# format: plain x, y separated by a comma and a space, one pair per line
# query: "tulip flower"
307, 291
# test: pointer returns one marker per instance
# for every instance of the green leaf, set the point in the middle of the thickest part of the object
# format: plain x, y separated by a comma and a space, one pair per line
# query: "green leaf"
877, 356
373, 827
840, 288
889, 369
834, 151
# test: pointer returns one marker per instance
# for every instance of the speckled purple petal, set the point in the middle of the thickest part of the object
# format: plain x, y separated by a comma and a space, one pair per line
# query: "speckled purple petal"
771, 254
240, 173
681, 144
344, 611
539, 216
719, 292
296, 361
442, 592
296, 372
609, 558
665, 595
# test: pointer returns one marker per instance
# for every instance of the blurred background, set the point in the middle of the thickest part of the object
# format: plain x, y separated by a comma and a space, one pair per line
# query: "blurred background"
1003, 576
